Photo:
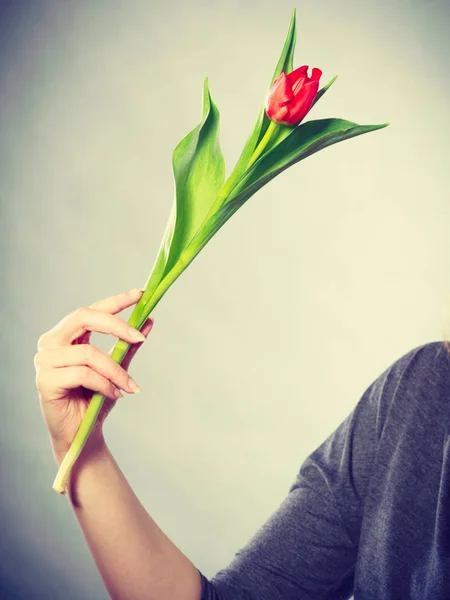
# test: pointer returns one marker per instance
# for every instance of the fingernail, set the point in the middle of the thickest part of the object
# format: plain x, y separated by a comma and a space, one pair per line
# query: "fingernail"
118, 393
134, 386
135, 334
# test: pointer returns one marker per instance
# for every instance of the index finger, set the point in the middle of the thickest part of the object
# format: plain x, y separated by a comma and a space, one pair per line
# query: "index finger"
111, 305
114, 304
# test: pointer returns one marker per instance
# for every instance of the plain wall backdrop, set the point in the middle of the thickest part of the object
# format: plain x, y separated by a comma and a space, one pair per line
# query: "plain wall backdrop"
268, 340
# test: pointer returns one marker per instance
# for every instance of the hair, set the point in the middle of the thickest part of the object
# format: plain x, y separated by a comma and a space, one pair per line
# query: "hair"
445, 340
447, 344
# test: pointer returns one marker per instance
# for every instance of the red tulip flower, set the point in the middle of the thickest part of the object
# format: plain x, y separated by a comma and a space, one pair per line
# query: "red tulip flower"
291, 96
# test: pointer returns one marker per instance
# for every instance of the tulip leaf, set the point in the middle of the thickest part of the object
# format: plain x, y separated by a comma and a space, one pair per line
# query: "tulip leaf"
199, 172
285, 64
303, 141
322, 90
286, 60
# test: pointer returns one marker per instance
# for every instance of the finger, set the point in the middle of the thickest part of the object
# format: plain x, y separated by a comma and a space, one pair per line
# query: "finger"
89, 319
111, 305
53, 383
146, 328
114, 304
85, 354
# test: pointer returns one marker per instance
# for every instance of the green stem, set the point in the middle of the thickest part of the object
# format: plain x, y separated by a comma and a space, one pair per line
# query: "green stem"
86, 426
194, 248
233, 179
262, 144
226, 189
139, 315
144, 309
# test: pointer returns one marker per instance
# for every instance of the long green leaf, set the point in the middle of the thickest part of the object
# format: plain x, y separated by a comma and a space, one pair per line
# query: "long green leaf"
324, 89
285, 63
303, 141
199, 173
286, 60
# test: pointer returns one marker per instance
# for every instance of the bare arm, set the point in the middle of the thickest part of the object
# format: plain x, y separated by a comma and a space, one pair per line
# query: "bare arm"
135, 559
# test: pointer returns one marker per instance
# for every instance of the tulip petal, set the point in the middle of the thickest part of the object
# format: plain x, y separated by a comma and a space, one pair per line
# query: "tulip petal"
299, 73
280, 114
303, 101
299, 84
279, 95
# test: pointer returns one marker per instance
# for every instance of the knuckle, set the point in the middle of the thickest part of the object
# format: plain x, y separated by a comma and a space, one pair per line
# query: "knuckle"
42, 340
120, 374
83, 373
81, 312
87, 352
36, 359
40, 379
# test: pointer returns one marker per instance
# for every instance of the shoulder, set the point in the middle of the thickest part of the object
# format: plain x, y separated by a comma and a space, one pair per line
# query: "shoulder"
417, 385
419, 379
428, 363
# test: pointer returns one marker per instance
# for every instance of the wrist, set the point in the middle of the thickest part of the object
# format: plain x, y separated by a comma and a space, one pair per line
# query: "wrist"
94, 445
87, 471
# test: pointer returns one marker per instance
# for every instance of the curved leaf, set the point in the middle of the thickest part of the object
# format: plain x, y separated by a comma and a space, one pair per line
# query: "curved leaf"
322, 90
286, 60
199, 173
303, 141
308, 138
285, 63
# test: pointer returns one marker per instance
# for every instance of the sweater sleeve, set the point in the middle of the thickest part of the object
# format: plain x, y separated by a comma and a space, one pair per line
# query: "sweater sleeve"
307, 549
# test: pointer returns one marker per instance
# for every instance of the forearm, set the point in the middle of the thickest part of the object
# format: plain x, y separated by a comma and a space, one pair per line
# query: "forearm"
135, 559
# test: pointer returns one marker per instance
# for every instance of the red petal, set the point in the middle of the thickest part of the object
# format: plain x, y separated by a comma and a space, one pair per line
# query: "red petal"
279, 95
299, 84
280, 114
294, 76
302, 103
316, 74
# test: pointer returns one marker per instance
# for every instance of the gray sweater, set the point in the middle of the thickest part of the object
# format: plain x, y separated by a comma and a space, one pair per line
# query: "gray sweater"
369, 511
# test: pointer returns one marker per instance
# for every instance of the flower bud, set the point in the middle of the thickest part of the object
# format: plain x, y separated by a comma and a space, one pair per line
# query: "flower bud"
291, 96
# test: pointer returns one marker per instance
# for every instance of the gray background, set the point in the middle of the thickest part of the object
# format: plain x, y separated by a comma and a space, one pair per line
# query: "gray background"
268, 340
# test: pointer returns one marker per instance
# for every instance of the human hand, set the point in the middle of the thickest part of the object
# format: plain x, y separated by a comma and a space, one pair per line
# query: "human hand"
69, 369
